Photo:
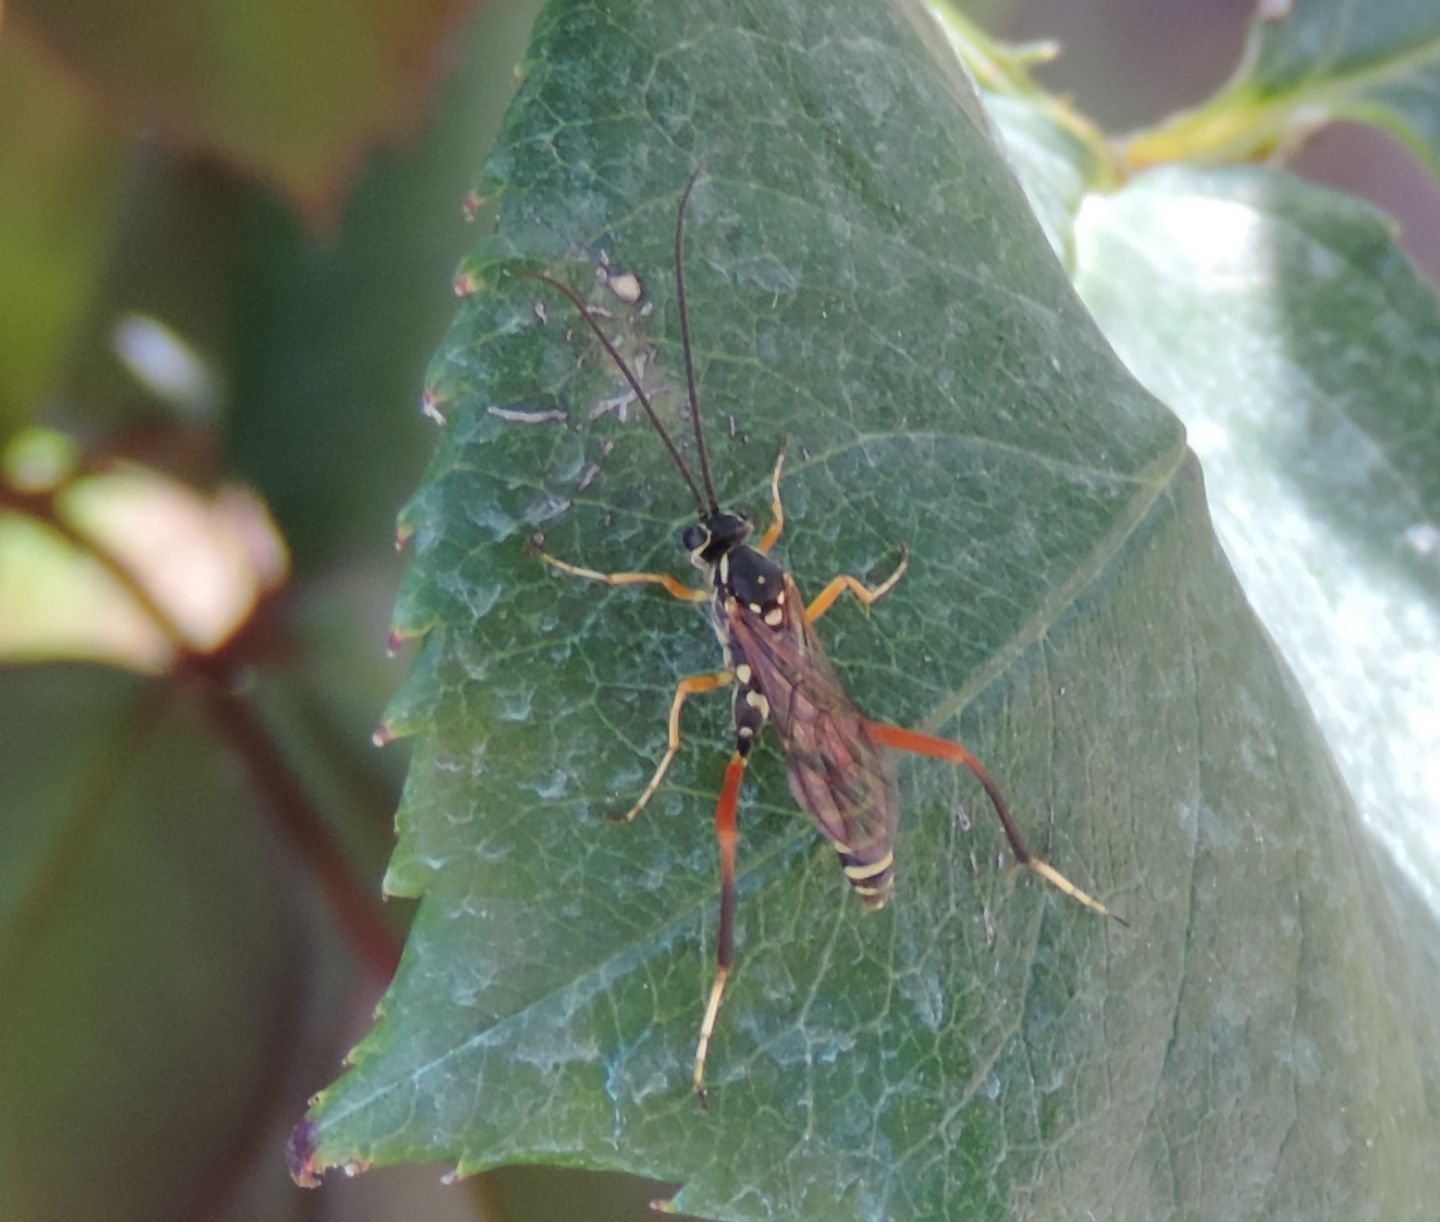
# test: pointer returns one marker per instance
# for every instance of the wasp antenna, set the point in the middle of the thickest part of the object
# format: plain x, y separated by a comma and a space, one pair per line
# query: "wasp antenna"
630, 377
685, 338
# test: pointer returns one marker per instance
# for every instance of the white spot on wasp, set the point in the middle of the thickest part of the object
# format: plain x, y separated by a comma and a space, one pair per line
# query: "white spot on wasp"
725, 567
744, 674
775, 616
755, 608
757, 701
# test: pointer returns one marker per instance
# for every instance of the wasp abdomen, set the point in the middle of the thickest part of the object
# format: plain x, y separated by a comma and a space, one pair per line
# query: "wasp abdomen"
752, 709
872, 878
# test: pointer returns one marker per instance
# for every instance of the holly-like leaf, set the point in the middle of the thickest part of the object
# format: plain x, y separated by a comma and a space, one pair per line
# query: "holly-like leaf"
865, 279
1312, 63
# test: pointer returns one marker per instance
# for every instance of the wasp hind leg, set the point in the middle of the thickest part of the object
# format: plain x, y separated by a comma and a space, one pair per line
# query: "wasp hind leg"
823, 601
901, 739
672, 585
693, 686
727, 831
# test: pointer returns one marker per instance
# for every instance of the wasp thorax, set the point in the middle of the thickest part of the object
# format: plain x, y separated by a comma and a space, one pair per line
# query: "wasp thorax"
717, 534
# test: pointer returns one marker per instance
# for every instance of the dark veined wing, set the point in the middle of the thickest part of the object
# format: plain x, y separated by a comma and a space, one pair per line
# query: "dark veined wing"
839, 775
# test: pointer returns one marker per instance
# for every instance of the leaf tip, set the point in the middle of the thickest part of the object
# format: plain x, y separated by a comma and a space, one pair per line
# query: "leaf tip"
302, 1155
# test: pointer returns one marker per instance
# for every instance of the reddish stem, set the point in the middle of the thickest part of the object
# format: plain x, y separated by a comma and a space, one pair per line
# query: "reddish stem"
289, 808
276, 784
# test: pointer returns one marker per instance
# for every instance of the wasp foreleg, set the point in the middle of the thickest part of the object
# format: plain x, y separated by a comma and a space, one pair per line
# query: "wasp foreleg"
900, 739
673, 585
772, 536
693, 686
729, 836
826, 598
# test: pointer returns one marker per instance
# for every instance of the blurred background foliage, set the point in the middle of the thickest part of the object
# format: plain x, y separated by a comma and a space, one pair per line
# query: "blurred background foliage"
228, 235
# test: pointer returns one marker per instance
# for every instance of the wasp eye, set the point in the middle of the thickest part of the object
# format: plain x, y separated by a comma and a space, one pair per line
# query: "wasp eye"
694, 536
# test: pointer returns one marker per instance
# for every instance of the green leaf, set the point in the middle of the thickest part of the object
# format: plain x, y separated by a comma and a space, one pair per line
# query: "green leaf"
149, 981
294, 93
1057, 154
1319, 61
1050, 163
1300, 346
864, 278
58, 165
330, 336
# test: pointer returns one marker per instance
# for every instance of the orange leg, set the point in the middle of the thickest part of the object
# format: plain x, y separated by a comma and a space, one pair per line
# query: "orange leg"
729, 835
777, 527
693, 686
900, 739
826, 598
673, 585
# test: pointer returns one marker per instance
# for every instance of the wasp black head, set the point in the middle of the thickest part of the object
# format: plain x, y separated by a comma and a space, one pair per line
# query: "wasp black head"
714, 535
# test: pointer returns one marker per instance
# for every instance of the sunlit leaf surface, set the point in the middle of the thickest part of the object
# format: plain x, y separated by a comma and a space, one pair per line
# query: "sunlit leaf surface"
1303, 351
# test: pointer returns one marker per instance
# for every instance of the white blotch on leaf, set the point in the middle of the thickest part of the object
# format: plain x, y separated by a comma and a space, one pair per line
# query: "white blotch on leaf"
922, 990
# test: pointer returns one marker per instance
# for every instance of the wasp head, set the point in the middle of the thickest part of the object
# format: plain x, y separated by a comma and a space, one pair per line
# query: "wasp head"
714, 535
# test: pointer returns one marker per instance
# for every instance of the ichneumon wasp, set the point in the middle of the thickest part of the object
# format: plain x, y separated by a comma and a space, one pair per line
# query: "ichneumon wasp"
839, 768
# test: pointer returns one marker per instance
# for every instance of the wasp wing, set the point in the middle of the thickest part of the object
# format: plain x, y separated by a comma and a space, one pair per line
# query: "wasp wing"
839, 775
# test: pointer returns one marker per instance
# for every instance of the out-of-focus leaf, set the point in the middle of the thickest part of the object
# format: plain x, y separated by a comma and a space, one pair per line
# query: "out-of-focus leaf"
318, 343
206, 562
1050, 164
59, 167
329, 338
865, 280
172, 259
296, 93
1055, 152
150, 982
1310, 63
1303, 352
